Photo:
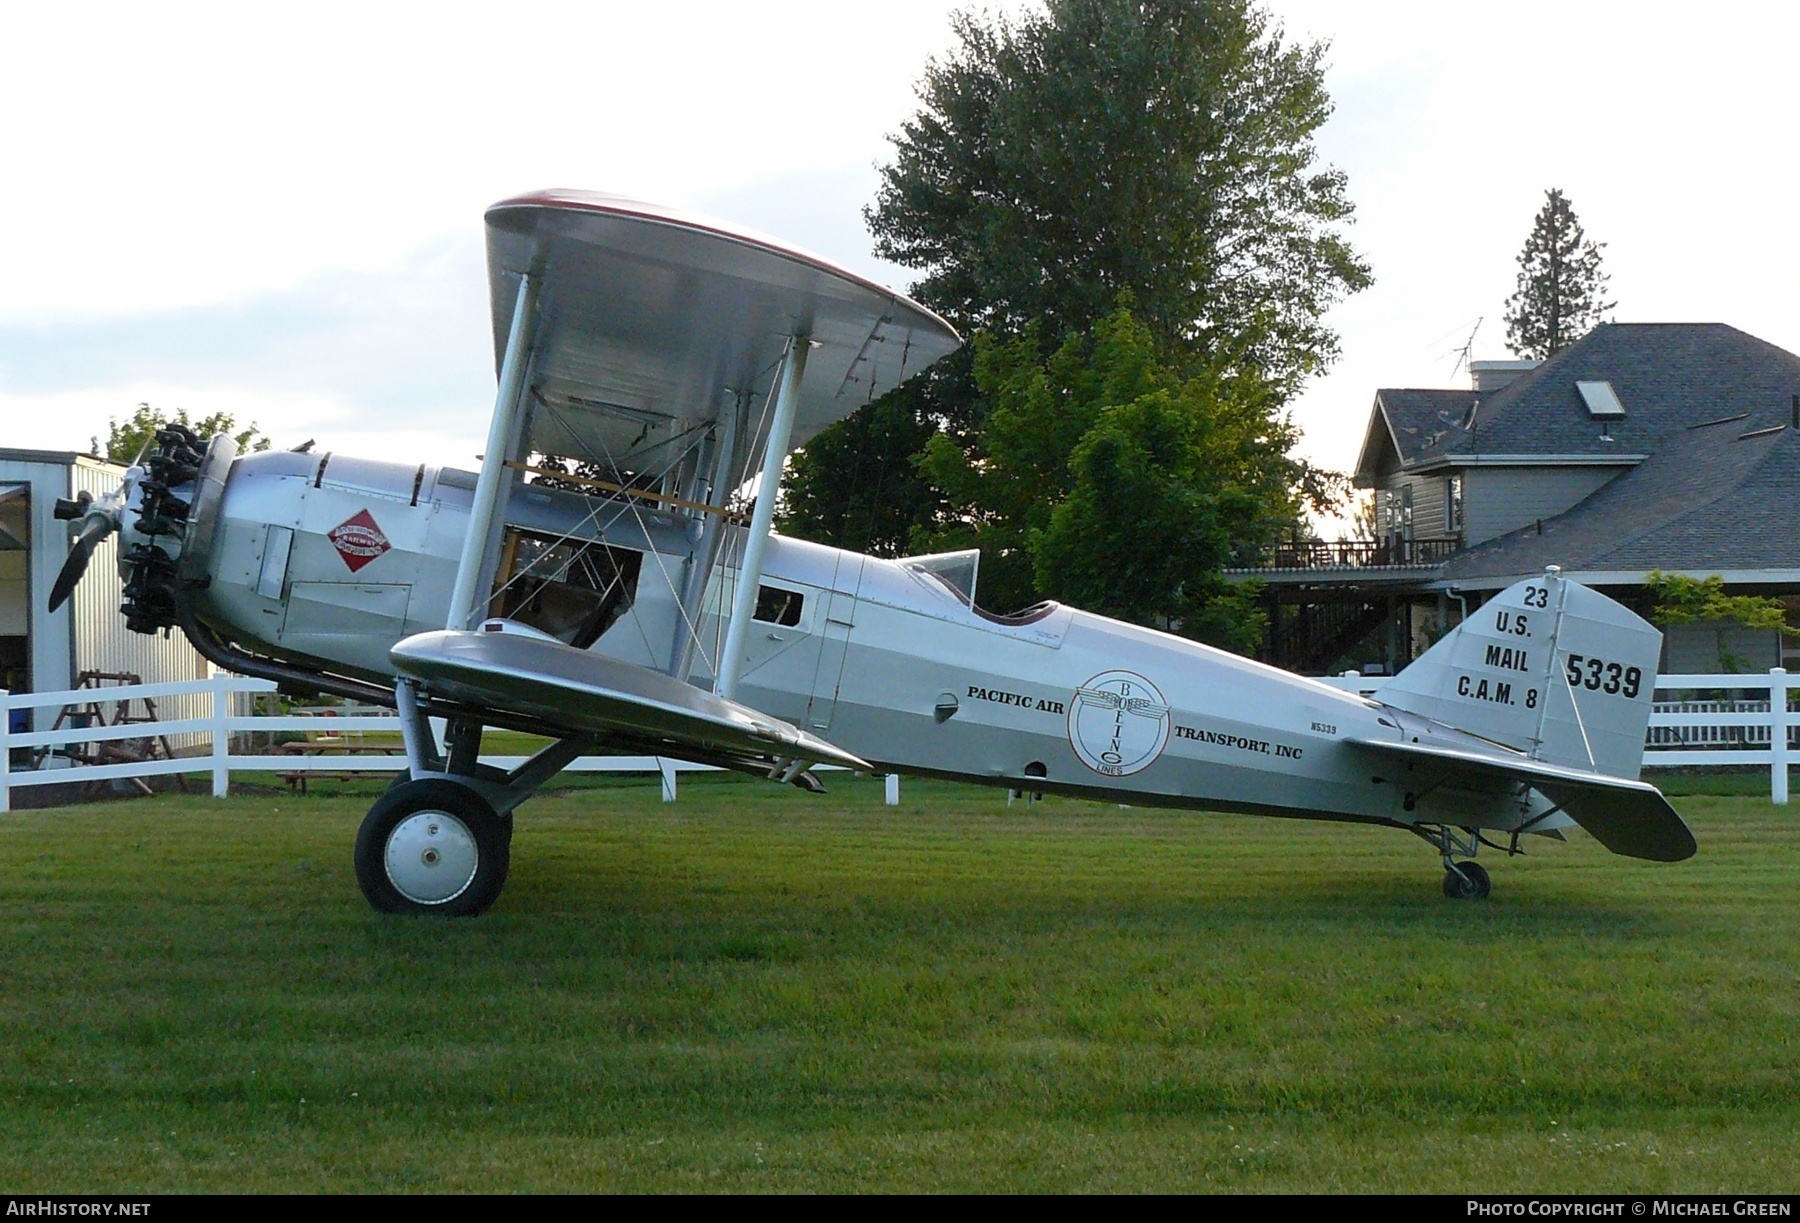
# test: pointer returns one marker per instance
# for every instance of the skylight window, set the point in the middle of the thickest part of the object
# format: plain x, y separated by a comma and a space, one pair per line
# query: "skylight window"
1602, 403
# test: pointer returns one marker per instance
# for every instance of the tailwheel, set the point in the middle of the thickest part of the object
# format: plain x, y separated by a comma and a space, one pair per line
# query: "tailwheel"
1462, 880
432, 847
1467, 881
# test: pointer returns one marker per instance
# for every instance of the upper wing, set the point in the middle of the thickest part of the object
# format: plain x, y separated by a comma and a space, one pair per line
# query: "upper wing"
583, 692
651, 322
1628, 817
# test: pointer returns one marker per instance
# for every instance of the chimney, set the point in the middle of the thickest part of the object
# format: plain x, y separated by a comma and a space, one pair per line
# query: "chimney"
1492, 375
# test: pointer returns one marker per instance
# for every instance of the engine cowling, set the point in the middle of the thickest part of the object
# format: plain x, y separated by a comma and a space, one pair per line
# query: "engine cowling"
171, 502
324, 557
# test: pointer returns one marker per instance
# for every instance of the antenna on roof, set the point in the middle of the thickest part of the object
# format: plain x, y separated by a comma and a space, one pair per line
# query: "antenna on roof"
1462, 354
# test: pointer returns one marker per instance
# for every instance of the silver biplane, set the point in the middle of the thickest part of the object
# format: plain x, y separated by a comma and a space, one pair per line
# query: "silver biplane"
626, 606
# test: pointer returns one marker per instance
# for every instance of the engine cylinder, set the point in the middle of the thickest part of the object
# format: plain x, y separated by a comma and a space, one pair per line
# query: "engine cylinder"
159, 502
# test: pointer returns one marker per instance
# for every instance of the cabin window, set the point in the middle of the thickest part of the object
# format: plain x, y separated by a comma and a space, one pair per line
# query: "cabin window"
1453, 505
572, 589
777, 606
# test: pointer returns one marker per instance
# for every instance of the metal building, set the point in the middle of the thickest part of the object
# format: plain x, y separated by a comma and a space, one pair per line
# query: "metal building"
43, 651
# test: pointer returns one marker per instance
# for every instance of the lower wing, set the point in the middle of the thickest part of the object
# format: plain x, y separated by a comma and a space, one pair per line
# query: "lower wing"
527, 674
1628, 817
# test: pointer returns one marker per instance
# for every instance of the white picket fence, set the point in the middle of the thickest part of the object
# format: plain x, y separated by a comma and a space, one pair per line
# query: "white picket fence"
1684, 732
49, 747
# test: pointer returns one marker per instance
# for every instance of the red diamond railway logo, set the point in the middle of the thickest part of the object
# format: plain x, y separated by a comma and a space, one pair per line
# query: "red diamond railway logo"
358, 540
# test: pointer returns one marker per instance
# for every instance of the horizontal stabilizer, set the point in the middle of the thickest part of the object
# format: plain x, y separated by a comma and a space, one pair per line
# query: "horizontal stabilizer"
529, 674
1628, 817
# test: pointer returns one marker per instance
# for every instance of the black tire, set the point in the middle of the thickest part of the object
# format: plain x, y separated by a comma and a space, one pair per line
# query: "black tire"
483, 772
432, 847
1467, 881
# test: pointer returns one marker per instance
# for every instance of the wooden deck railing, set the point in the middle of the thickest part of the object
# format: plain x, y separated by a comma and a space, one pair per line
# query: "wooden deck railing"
1353, 554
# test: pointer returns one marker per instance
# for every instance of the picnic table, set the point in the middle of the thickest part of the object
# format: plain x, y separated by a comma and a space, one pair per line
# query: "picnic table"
335, 747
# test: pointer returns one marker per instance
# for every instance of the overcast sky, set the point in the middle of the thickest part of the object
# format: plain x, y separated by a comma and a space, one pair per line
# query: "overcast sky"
277, 211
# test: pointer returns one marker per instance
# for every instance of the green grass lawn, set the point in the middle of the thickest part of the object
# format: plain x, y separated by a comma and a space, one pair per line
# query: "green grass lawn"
753, 989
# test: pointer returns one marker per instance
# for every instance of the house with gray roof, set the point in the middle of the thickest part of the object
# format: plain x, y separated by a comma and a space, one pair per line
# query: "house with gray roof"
1665, 446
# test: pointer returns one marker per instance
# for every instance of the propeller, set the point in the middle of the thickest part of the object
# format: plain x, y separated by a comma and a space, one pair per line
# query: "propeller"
96, 524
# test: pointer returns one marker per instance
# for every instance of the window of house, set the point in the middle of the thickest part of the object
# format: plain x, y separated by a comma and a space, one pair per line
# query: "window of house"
1453, 505
1601, 400
777, 606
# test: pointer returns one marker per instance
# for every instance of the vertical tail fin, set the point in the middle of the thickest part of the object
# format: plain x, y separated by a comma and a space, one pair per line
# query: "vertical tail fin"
1549, 667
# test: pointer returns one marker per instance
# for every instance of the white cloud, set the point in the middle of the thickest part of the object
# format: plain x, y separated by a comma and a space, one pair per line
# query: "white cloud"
343, 354
361, 360
177, 154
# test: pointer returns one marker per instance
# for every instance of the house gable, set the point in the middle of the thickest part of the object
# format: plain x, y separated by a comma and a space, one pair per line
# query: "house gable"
1407, 427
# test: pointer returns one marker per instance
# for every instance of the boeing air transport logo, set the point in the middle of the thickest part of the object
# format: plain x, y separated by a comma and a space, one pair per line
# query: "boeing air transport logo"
358, 540
1118, 723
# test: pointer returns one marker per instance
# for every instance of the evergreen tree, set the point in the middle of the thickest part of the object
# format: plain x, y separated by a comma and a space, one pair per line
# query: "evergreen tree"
1162, 148
1561, 284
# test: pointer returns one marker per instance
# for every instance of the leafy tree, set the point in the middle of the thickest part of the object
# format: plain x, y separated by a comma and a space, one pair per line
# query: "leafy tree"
1679, 599
1161, 149
856, 485
1001, 484
126, 439
1147, 527
1561, 285
1106, 478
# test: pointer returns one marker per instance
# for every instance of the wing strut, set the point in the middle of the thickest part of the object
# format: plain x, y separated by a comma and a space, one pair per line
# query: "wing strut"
706, 553
756, 545
480, 546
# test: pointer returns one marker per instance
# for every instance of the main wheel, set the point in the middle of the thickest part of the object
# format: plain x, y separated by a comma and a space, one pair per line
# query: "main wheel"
487, 772
434, 847
1467, 881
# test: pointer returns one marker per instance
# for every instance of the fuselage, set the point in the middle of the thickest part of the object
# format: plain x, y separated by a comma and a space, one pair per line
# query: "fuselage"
332, 560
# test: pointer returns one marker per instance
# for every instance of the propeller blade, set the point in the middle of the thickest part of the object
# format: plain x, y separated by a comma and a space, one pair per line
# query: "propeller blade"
80, 552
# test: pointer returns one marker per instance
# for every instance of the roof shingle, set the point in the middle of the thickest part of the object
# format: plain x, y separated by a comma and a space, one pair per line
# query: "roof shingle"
1711, 499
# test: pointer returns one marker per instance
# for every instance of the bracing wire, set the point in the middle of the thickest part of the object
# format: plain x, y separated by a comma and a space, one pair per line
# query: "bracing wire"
631, 507
604, 514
